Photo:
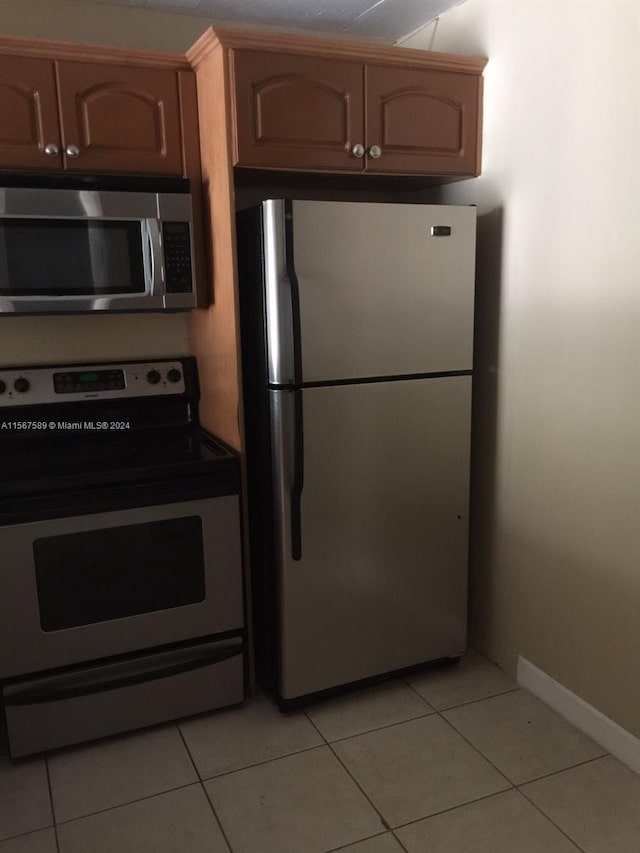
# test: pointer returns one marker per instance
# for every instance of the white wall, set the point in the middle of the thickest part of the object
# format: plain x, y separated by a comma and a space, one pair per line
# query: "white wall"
90, 337
556, 521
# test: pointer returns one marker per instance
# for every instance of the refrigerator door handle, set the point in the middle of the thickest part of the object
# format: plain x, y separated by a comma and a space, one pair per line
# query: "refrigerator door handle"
287, 451
298, 478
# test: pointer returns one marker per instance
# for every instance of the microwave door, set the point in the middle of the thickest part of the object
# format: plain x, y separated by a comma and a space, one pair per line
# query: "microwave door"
151, 295
71, 264
104, 269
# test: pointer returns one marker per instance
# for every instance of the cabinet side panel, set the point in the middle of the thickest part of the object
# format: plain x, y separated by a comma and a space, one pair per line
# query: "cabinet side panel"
214, 330
193, 171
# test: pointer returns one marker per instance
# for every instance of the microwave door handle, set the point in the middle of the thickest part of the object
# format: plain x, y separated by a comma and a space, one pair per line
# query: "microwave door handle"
154, 264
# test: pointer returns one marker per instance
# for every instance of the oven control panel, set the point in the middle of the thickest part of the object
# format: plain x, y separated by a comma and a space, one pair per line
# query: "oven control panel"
25, 386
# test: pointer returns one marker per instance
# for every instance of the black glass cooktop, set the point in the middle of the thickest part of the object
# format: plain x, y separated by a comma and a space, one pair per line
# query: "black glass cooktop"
56, 463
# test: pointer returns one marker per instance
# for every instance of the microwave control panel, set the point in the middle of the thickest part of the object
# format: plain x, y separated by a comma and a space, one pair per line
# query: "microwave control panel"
176, 237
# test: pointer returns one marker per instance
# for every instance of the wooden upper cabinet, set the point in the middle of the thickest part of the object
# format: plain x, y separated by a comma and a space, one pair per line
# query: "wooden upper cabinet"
296, 112
29, 130
78, 108
305, 104
308, 112
422, 121
119, 118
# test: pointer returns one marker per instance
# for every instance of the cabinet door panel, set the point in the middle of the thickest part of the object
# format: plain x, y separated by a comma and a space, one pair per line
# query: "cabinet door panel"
297, 112
28, 103
425, 121
122, 119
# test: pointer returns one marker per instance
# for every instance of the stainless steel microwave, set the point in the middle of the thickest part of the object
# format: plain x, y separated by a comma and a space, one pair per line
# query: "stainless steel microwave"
71, 250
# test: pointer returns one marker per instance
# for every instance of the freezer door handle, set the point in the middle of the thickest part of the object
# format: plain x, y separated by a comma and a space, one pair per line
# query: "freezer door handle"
298, 478
282, 304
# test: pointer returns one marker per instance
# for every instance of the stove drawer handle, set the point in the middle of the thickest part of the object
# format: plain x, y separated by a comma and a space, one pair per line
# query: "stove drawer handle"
113, 676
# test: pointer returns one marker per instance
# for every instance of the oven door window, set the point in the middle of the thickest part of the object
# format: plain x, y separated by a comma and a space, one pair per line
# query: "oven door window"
99, 575
70, 257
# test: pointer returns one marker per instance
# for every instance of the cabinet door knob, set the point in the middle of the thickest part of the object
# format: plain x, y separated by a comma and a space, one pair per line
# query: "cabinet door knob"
72, 151
358, 150
374, 152
51, 149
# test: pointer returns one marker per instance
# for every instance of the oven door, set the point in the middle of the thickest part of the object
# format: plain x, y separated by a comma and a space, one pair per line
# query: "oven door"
89, 587
65, 250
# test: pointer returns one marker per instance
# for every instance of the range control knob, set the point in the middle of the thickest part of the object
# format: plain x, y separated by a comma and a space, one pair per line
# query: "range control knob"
21, 385
3, 387
153, 377
174, 375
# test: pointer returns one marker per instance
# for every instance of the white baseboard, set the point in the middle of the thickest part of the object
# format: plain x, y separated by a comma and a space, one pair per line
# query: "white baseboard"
609, 735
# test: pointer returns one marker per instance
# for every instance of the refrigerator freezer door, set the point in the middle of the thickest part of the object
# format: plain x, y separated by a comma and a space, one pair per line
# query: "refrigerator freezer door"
381, 579
383, 289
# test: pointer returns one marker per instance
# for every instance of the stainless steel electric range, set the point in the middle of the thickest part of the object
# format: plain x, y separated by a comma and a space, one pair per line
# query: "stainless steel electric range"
121, 599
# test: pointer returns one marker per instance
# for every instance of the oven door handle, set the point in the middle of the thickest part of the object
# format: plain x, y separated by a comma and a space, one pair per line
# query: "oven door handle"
112, 676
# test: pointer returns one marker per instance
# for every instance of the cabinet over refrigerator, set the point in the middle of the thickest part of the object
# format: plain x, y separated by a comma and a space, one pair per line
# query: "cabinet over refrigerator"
357, 339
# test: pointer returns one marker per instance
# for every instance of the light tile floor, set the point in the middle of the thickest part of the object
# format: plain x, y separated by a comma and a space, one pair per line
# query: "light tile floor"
450, 761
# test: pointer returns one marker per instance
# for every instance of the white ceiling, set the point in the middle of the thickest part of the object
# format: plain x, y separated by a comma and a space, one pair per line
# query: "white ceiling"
388, 20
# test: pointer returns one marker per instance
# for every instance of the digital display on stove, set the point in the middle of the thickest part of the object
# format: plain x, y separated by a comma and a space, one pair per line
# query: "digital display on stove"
88, 380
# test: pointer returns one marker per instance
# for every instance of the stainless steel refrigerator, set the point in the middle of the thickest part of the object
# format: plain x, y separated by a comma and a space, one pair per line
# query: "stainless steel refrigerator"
357, 341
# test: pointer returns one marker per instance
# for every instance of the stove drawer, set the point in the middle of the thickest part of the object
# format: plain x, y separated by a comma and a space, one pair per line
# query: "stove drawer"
93, 702
88, 587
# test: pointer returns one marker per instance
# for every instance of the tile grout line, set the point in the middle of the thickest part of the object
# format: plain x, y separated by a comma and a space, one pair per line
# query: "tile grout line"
361, 841
260, 763
216, 818
351, 776
30, 832
380, 728
411, 687
463, 704
429, 712
495, 767
475, 748
551, 821
53, 811
128, 803
186, 746
399, 840
513, 785
455, 808
419, 695
562, 770
481, 699
204, 790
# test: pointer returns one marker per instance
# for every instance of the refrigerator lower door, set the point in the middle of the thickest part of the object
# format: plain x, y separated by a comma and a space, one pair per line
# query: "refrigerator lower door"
371, 497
